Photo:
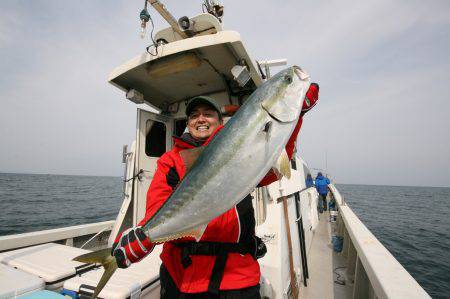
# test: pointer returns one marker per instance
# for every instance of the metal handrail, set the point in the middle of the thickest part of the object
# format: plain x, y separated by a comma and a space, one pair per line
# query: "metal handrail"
52, 235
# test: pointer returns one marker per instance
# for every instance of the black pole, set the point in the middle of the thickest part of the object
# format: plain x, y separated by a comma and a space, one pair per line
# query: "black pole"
301, 237
301, 232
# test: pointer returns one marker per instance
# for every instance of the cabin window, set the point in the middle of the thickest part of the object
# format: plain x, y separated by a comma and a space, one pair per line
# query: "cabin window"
180, 126
155, 141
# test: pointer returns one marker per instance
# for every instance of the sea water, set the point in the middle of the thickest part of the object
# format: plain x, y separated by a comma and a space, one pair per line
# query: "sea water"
32, 202
412, 222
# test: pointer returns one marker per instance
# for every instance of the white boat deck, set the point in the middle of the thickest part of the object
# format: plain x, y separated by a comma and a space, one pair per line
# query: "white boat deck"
322, 264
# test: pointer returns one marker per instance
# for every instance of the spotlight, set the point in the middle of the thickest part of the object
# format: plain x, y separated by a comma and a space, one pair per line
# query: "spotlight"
187, 25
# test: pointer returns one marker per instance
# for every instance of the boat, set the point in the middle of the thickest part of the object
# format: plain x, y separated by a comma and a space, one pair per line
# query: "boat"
309, 254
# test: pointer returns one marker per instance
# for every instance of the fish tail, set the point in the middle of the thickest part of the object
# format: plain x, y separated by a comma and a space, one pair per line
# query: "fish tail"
104, 258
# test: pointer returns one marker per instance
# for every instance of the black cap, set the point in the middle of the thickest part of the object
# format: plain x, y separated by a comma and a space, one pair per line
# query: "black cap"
202, 100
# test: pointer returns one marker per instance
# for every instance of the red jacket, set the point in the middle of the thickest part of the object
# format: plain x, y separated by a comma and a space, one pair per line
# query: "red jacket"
241, 271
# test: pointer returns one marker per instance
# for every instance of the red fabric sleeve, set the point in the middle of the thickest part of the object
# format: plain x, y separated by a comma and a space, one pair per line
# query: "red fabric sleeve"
159, 190
290, 145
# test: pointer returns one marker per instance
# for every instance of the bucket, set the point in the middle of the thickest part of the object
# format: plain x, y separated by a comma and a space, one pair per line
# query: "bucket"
337, 242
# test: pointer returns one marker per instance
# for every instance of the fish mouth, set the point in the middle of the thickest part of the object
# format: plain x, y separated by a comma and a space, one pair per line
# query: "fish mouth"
301, 74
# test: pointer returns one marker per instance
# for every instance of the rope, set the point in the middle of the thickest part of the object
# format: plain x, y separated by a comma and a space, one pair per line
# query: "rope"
338, 280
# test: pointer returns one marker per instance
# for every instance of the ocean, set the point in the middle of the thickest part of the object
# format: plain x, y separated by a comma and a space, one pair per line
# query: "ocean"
32, 202
412, 222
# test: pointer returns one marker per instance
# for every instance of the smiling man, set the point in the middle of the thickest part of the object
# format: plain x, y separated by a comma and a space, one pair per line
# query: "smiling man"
223, 264
204, 118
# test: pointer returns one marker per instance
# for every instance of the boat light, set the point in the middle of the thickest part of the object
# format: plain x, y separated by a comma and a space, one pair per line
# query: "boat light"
135, 96
241, 74
145, 17
185, 23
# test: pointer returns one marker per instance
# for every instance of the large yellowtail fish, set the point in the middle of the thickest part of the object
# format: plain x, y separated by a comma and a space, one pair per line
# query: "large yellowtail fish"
222, 173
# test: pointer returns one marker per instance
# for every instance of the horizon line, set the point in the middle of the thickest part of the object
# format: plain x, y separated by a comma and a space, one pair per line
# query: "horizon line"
119, 176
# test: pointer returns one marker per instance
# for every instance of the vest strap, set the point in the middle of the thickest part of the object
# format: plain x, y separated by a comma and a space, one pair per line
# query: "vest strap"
220, 250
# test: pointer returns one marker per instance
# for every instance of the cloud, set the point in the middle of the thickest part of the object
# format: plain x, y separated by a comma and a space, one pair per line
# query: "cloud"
382, 66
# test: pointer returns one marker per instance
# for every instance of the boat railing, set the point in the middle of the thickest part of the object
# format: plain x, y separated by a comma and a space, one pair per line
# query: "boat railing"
374, 271
72, 236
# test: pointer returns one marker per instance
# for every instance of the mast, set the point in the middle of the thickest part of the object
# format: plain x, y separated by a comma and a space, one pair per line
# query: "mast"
159, 7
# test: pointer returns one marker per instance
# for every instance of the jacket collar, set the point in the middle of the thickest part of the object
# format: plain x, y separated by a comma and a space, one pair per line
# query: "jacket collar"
186, 141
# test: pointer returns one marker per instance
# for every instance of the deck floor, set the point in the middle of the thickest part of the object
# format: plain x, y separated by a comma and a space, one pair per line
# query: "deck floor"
322, 261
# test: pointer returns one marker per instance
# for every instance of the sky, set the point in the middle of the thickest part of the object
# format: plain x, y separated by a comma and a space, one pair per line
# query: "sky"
383, 69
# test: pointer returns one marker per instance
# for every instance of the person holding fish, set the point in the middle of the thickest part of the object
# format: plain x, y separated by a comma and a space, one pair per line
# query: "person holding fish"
223, 263
198, 202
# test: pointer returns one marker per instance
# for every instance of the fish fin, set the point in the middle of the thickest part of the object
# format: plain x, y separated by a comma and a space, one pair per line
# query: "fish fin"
189, 156
197, 232
282, 167
104, 258
280, 110
110, 268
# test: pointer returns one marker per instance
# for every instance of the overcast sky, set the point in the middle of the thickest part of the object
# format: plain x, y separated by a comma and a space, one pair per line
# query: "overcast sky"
383, 67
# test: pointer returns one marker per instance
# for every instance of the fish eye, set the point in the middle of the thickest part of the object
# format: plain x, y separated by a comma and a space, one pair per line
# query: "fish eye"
288, 79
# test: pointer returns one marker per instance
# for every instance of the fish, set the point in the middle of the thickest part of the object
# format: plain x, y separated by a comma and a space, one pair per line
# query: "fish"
219, 175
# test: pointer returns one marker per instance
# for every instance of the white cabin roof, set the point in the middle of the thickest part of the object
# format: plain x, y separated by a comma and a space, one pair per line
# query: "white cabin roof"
185, 68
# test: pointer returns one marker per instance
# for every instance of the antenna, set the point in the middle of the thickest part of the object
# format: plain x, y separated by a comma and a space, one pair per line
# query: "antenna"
215, 8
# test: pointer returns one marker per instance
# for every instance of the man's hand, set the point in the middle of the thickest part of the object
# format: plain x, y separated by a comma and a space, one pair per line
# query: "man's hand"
311, 98
131, 246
